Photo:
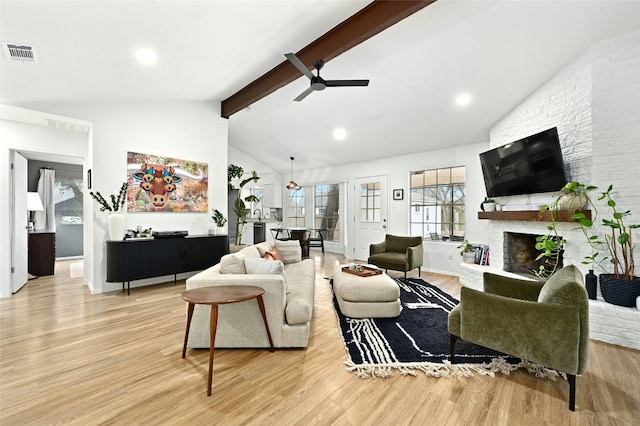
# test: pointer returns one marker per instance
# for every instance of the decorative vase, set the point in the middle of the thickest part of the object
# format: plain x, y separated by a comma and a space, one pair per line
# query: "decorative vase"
591, 283
116, 226
618, 291
572, 202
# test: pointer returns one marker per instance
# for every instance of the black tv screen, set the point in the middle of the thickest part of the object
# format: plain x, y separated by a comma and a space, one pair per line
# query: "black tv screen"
528, 166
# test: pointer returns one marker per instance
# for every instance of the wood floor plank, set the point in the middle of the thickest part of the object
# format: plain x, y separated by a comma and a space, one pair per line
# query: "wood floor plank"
70, 357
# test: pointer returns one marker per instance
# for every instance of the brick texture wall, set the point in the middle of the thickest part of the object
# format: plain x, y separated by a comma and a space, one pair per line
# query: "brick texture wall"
595, 104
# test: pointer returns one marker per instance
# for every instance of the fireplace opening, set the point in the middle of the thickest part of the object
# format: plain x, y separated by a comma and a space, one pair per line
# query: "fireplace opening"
520, 254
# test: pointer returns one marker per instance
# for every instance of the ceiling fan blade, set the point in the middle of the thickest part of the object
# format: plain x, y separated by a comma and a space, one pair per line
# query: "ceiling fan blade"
298, 64
346, 83
304, 94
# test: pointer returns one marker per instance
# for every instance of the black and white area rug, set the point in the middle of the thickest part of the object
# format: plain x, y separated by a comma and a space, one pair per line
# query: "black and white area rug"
418, 340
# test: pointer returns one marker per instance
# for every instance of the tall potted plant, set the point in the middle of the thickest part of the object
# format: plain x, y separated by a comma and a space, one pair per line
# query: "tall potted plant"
239, 206
621, 286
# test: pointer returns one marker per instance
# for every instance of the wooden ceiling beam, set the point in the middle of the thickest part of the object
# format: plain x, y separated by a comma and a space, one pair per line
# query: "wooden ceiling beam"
373, 19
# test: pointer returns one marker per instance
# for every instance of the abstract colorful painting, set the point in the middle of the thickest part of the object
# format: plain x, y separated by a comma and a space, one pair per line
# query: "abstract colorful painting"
164, 184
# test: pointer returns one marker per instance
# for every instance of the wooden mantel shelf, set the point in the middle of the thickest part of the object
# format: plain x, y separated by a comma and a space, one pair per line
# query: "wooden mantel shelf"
531, 215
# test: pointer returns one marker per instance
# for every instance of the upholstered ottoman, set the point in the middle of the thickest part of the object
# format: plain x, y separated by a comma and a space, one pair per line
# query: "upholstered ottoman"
376, 296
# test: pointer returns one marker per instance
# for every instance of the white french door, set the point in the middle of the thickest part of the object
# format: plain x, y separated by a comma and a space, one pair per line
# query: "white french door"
370, 197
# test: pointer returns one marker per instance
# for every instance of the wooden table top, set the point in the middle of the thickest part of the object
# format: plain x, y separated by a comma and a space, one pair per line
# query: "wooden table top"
220, 295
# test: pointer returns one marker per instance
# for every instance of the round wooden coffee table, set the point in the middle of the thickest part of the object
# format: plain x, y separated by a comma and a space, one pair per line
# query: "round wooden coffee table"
220, 295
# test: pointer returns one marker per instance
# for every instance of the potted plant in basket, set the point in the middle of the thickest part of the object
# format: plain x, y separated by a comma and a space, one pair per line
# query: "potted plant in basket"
239, 206
621, 286
219, 220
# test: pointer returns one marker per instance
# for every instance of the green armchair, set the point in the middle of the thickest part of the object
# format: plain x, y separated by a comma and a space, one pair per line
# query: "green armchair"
542, 322
397, 253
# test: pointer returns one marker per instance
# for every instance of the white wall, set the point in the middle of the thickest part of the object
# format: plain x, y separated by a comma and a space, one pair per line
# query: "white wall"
249, 163
20, 136
184, 130
397, 169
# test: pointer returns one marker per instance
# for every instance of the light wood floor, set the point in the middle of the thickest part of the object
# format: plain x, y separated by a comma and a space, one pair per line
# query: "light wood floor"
69, 357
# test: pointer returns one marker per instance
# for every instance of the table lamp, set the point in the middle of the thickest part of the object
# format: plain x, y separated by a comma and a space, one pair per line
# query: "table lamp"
34, 203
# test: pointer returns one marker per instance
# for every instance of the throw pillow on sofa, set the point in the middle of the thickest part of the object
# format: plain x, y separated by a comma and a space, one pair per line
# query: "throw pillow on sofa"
264, 266
291, 250
274, 254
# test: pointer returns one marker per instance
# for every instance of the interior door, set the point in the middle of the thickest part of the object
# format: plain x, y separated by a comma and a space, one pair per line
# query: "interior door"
370, 214
19, 252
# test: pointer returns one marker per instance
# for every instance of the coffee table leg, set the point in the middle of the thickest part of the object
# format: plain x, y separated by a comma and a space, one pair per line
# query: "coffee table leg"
264, 317
212, 340
186, 333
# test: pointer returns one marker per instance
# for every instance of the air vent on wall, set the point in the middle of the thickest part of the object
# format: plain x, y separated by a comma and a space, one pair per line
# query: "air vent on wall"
20, 52
65, 125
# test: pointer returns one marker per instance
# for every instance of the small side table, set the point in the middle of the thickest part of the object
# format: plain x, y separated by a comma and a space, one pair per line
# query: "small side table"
215, 296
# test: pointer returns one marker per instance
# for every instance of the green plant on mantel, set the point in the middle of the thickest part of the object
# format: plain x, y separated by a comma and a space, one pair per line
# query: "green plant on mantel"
116, 202
239, 206
573, 197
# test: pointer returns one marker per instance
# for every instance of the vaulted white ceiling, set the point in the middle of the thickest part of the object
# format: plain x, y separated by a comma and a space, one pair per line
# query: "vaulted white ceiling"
498, 51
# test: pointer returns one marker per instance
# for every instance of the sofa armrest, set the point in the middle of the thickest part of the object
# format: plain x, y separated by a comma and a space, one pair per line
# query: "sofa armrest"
511, 287
378, 248
415, 256
546, 333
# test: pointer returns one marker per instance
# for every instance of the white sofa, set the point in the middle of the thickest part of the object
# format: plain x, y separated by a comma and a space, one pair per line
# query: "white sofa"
240, 325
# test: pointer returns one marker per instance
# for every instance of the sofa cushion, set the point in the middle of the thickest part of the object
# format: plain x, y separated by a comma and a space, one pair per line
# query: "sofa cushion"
249, 251
232, 264
562, 287
264, 247
274, 254
291, 250
255, 265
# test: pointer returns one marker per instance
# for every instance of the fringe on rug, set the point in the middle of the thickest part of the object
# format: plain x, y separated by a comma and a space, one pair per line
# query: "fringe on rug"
446, 369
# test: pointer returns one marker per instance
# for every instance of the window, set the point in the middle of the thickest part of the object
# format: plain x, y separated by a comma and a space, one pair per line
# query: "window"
295, 207
327, 207
437, 203
370, 202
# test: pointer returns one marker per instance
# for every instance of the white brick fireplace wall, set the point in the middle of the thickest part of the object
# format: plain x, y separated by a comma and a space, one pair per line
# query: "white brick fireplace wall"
595, 104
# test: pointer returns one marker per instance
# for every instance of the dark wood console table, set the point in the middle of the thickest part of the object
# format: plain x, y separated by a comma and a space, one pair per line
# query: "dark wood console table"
42, 253
131, 260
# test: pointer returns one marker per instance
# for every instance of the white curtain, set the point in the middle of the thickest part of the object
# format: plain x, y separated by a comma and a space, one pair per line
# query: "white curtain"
46, 220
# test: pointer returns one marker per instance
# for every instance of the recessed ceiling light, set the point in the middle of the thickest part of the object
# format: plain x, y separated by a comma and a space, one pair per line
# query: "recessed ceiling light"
340, 133
146, 56
463, 99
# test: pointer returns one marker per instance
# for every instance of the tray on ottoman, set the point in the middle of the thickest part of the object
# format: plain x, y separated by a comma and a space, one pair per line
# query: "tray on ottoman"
366, 271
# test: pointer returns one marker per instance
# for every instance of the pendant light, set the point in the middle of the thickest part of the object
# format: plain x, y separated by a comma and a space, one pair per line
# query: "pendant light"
292, 184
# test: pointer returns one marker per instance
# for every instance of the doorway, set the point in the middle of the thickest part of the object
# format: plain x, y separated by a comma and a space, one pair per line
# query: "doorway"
370, 197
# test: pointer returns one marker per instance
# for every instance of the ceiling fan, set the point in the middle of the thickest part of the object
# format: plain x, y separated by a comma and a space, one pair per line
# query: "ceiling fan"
317, 82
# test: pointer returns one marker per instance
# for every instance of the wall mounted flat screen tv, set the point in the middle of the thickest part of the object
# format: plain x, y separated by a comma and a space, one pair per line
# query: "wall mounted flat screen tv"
528, 166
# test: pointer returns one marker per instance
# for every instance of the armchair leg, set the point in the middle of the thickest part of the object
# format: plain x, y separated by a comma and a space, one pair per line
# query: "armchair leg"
405, 275
572, 391
452, 344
